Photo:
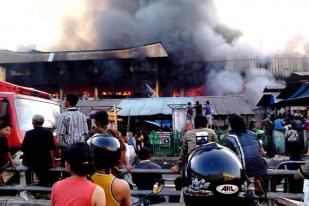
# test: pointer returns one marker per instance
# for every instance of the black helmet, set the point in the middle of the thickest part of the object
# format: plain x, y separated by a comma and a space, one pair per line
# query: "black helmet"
213, 175
106, 150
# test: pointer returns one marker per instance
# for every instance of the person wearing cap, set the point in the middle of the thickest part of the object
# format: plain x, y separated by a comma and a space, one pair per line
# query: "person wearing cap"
101, 122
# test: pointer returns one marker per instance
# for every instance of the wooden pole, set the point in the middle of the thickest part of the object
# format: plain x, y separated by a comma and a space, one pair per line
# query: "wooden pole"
128, 124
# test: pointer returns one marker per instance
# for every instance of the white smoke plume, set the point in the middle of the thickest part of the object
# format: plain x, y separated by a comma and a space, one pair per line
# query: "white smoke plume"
225, 83
249, 83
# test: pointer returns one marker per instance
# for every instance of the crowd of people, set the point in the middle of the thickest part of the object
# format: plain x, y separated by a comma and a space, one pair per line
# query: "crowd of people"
93, 170
277, 134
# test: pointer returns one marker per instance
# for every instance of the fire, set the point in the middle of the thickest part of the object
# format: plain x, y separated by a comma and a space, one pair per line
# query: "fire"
196, 91
176, 94
191, 92
124, 93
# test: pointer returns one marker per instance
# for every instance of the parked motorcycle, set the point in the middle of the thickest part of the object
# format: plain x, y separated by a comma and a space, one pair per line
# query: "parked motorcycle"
143, 201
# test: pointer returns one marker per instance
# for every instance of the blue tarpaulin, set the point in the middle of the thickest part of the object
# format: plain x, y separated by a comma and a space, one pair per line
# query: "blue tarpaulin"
300, 96
267, 100
302, 91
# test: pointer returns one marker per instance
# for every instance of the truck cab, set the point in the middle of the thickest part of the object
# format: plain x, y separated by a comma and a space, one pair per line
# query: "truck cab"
19, 104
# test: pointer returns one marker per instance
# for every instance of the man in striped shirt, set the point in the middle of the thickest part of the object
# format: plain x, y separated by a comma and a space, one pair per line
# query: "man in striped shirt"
72, 124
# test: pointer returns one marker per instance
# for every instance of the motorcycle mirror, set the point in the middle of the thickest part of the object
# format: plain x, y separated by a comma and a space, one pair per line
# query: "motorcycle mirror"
158, 186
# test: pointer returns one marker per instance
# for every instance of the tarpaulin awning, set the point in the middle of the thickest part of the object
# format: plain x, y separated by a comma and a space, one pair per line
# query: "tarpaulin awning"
300, 96
267, 100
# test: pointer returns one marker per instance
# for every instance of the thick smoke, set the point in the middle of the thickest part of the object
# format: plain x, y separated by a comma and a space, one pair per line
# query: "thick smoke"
227, 33
249, 83
255, 82
225, 83
184, 27
189, 31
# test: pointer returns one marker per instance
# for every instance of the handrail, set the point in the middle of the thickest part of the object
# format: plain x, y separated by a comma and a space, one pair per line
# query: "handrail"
270, 172
301, 162
164, 192
22, 186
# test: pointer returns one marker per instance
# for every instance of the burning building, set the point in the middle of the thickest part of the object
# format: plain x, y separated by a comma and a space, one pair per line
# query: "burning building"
131, 72
205, 54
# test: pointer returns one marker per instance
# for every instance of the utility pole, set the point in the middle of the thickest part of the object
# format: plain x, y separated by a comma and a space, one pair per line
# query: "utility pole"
128, 124
261, 48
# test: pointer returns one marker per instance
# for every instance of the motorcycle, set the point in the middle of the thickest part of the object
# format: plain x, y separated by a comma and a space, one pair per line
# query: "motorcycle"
143, 201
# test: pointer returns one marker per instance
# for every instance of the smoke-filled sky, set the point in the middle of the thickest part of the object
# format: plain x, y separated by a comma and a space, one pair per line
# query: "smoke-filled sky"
220, 28
191, 30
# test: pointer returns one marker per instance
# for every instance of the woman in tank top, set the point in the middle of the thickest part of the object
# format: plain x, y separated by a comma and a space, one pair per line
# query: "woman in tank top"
77, 190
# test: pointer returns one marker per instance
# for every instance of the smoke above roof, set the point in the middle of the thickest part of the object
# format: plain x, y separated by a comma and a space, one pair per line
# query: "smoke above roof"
190, 31
249, 83
183, 27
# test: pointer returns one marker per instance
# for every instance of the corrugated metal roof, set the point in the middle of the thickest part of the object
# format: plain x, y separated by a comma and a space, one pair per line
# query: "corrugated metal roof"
99, 103
225, 105
150, 106
86, 106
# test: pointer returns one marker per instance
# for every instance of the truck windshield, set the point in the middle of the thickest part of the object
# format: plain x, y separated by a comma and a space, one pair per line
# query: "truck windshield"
26, 108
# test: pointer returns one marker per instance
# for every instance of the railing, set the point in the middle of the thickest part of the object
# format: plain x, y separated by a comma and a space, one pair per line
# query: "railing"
22, 186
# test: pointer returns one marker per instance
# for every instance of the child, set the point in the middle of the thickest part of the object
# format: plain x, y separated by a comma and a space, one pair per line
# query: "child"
5, 156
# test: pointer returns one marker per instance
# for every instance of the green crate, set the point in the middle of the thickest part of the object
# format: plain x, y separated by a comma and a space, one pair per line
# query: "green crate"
154, 138
160, 149
163, 151
222, 136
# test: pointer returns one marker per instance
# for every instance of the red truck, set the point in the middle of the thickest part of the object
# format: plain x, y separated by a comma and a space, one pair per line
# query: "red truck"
18, 105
